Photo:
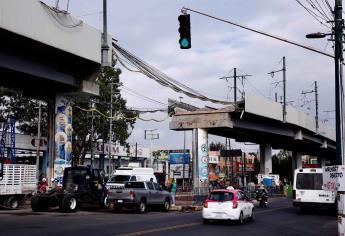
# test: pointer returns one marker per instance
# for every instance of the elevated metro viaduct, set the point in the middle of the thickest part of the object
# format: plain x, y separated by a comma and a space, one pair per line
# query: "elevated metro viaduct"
46, 53
258, 120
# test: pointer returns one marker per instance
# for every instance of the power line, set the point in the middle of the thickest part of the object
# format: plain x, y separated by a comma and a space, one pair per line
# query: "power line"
143, 96
162, 78
315, 16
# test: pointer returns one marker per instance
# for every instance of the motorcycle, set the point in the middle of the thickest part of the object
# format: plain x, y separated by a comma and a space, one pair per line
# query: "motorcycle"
262, 197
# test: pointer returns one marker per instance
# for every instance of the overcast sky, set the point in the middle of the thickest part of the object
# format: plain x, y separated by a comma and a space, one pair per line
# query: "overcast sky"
149, 29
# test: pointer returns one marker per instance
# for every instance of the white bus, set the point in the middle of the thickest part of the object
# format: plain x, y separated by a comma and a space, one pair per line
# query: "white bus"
308, 193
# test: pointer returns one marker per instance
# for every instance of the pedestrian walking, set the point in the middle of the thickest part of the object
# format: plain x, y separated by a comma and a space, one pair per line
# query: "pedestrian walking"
173, 192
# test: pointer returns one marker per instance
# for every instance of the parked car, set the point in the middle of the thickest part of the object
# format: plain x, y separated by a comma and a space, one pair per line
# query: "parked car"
138, 195
224, 204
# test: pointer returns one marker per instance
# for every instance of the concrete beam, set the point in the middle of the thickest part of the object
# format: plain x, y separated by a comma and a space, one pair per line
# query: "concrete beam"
194, 121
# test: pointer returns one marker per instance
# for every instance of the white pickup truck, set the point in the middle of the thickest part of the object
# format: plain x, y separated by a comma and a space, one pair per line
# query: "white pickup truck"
18, 181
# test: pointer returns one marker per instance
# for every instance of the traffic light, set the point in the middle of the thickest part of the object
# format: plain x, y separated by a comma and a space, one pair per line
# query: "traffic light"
185, 38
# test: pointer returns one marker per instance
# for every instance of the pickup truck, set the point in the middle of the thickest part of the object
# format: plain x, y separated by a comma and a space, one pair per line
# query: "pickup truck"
138, 195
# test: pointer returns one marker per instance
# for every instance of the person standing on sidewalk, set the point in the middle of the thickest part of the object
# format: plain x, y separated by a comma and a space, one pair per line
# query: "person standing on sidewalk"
173, 192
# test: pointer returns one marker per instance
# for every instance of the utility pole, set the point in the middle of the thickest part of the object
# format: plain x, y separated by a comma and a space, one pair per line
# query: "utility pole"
105, 47
92, 105
284, 90
316, 105
151, 134
339, 100
38, 142
284, 86
235, 77
110, 127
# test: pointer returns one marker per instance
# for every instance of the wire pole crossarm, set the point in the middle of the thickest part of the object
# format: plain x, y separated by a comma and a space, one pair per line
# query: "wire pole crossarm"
260, 32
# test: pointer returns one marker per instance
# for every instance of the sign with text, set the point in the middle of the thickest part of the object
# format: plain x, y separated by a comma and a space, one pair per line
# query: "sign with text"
334, 178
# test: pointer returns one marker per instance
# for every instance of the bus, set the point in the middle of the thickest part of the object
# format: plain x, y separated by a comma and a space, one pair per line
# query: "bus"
308, 193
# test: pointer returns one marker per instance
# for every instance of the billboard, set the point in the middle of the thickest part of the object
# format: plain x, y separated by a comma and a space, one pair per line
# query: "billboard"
63, 136
179, 158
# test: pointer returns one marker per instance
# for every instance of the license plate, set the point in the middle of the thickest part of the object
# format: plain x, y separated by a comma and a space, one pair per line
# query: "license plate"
120, 201
218, 215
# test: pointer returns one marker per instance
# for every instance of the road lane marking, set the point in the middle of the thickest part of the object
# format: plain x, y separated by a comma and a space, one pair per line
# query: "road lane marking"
275, 209
187, 225
160, 229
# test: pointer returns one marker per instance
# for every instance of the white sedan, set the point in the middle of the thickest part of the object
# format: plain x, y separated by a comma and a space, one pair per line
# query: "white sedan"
223, 204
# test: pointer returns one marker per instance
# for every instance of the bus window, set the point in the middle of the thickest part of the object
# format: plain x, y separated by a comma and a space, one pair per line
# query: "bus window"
309, 181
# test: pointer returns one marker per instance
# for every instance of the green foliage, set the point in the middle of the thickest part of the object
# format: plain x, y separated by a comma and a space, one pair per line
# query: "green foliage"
216, 146
82, 120
282, 164
24, 110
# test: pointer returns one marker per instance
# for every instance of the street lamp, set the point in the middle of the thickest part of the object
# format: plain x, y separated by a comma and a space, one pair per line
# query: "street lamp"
338, 59
317, 35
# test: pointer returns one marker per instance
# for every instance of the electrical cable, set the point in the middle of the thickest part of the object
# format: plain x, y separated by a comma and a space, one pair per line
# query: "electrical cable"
150, 99
55, 13
162, 78
315, 16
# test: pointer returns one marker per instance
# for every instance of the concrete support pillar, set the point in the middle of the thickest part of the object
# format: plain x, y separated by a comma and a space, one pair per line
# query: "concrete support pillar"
296, 161
265, 158
51, 141
200, 163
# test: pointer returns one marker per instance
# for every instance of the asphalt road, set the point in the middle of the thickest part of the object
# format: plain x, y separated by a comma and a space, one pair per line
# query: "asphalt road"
279, 219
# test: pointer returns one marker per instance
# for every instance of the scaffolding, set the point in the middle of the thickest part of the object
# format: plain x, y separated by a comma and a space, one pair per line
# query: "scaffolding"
10, 144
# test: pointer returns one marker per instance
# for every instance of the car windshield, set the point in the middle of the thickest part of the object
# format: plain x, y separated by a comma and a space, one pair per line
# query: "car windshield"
221, 196
119, 179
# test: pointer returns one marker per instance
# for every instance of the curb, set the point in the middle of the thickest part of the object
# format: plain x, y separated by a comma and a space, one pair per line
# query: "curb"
185, 208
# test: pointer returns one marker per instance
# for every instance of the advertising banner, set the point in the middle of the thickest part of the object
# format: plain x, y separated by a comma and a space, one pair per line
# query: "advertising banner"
176, 171
202, 155
334, 178
63, 136
179, 158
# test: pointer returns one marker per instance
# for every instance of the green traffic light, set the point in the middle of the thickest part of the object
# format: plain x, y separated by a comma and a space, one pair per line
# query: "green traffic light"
184, 43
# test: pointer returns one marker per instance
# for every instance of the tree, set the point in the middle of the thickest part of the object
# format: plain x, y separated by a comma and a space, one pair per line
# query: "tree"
122, 124
282, 164
216, 146
24, 110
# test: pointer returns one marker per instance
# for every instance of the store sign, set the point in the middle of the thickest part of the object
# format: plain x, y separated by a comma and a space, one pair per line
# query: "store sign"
334, 178
213, 159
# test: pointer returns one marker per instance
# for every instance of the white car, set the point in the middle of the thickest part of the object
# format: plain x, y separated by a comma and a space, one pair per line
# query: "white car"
224, 204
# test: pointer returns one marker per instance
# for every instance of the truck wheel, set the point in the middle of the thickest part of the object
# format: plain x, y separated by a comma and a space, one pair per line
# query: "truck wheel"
142, 206
104, 203
69, 203
12, 202
36, 204
166, 205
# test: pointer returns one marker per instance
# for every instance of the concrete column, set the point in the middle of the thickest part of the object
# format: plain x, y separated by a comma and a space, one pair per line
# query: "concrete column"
296, 160
265, 158
195, 158
51, 141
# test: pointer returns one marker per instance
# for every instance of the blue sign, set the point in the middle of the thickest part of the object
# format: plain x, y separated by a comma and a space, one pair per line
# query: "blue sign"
179, 158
